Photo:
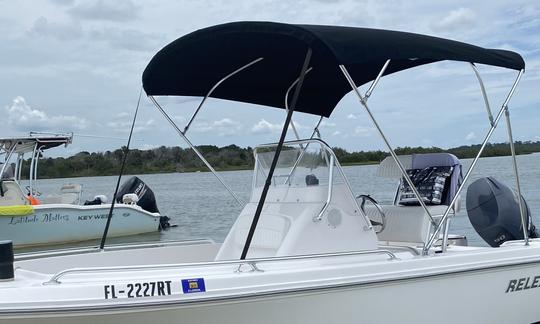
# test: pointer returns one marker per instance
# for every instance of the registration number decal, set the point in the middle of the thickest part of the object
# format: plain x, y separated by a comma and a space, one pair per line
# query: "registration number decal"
138, 289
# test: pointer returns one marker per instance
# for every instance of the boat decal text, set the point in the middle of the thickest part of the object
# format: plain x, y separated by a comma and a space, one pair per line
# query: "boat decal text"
138, 289
90, 217
57, 217
44, 218
193, 285
523, 284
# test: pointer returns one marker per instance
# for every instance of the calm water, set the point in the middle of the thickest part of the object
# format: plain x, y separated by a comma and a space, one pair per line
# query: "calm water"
201, 208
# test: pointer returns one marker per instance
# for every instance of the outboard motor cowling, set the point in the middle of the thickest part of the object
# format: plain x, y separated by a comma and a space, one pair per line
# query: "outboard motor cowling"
493, 210
134, 185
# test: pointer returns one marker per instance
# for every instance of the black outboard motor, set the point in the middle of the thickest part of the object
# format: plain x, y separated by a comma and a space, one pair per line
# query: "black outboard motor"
147, 200
494, 212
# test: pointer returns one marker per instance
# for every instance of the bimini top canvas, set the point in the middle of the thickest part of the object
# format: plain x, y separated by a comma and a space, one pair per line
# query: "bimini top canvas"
194, 63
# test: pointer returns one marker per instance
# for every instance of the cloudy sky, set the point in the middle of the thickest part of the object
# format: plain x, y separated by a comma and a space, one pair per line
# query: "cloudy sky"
75, 66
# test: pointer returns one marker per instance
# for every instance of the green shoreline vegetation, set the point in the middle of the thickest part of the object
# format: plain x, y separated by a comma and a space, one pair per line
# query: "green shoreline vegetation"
175, 159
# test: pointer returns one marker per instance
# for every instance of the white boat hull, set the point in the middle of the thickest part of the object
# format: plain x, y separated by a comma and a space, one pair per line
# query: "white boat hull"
473, 287
63, 223
457, 299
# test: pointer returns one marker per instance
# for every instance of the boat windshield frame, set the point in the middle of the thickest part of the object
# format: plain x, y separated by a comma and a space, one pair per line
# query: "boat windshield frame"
332, 163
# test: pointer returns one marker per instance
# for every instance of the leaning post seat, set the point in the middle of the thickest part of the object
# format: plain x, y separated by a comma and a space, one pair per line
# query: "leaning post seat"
408, 222
389, 169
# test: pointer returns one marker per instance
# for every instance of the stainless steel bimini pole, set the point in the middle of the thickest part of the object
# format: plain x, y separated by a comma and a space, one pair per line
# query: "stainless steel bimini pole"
17, 167
524, 223
363, 101
199, 154
8, 157
38, 153
287, 104
32, 170
504, 108
214, 88
484, 94
186, 128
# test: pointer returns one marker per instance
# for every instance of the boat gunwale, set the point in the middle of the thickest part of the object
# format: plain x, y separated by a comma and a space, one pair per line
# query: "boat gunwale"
160, 303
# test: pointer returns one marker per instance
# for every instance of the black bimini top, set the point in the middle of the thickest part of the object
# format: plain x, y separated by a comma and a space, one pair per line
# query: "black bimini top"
194, 63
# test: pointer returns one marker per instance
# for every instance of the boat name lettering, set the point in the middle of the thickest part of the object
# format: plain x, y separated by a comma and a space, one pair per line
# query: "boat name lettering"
138, 289
23, 220
523, 284
50, 217
90, 217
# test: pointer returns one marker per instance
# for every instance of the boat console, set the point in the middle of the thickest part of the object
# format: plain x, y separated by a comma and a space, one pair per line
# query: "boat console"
309, 208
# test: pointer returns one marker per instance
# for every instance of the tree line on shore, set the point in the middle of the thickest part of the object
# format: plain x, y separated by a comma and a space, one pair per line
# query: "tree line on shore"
176, 159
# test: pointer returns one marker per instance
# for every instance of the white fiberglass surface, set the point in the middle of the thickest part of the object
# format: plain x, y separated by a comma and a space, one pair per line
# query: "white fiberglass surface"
309, 209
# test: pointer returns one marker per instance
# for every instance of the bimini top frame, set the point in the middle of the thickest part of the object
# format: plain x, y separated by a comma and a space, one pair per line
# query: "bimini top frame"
34, 144
275, 58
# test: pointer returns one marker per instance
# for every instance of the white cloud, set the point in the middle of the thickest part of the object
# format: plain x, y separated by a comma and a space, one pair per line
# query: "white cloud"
179, 118
127, 39
459, 19
363, 131
336, 133
60, 31
62, 2
105, 10
222, 127
264, 127
124, 125
351, 116
471, 136
225, 122
146, 147
325, 123
123, 114
24, 118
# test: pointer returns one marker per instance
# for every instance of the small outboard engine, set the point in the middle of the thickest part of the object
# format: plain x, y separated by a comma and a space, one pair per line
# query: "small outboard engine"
493, 210
98, 200
134, 185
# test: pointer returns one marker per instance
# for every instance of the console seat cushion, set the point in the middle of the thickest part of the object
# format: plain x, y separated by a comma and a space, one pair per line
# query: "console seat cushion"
269, 234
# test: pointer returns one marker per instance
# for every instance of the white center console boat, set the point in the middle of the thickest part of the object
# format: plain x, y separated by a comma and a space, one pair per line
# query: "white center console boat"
304, 249
30, 218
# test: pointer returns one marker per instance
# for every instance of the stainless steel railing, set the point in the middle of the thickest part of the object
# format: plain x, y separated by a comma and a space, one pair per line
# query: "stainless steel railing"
55, 279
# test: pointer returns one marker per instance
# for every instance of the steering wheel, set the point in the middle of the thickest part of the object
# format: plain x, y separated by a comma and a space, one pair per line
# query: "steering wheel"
382, 223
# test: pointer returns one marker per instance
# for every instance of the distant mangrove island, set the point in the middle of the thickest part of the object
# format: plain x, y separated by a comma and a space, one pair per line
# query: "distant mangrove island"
176, 159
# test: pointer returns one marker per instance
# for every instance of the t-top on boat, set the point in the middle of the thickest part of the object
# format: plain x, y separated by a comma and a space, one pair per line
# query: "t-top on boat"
304, 249
29, 218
